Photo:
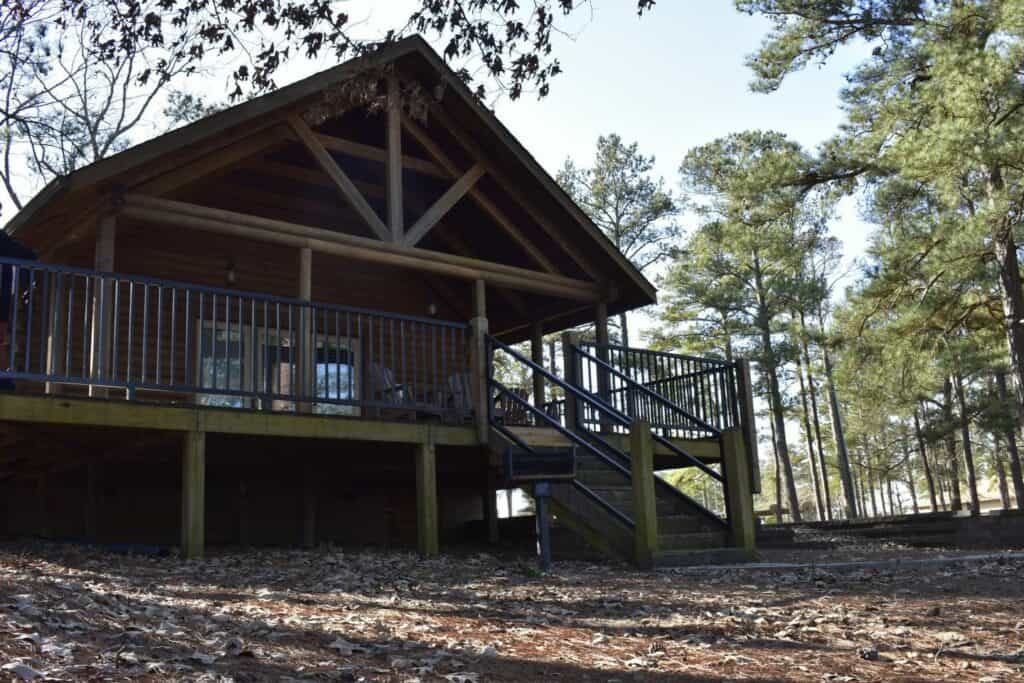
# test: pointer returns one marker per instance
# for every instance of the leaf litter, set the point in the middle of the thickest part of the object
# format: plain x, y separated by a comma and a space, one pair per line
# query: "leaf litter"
76, 613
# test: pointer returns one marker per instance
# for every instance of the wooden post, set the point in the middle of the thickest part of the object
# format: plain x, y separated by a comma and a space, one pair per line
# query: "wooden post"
43, 505
306, 345
426, 500
102, 306
309, 507
603, 376
91, 500
55, 331
569, 342
645, 507
745, 400
537, 356
193, 494
490, 505
243, 513
739, 490
396, 216
479, 370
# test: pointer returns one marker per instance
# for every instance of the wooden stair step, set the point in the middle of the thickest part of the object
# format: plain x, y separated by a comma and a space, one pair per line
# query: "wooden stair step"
693, 540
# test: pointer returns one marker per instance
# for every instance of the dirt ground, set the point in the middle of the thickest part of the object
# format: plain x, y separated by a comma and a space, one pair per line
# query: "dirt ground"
75, 613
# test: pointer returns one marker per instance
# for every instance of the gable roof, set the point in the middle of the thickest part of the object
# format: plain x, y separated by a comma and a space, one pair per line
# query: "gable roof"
109, 169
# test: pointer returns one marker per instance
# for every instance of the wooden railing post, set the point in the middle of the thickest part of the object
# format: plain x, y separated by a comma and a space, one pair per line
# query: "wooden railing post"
645, 507
571, 340
739, 491
102, 305
54, 330
306, 345
745, 400
601, 352
537, 356
479, 363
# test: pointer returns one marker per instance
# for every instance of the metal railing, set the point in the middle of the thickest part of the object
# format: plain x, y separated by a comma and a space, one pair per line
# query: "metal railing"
585, 401
684, 396
76, 328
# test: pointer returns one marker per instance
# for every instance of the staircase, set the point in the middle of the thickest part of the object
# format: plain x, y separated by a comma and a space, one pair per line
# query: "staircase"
598, 503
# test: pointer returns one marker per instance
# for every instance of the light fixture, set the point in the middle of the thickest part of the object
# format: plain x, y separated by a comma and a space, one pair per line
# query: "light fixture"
431, 309
231, 275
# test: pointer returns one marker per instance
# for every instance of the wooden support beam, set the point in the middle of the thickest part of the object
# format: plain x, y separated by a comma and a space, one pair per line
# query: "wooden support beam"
393, 166
553, 231
739, 493
306, 345
309, 506
92, 500
603, 377
215, 162
443, 205
537, 356
427, 536
345, 185
481, 199
193, 494
570, 340
745, 397
645, 503
490, 505
102, 306
371, 153
182, 214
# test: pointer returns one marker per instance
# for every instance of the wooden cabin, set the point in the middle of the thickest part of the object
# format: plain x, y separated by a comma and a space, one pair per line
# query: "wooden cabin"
279, 325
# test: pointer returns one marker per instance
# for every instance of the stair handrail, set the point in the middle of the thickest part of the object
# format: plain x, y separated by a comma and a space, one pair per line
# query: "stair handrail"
663, 354
578, 485
622, 418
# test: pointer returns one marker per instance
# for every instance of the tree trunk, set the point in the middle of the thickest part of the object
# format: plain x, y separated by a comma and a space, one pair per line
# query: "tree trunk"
871, 488
813, 391
1004, 489
955, 504
1013, 310
968, 448
1011, 448
893, 510
778, 475
624, 325
842, 456
910, 477
782, 446
923, 451
939, 476
820, 506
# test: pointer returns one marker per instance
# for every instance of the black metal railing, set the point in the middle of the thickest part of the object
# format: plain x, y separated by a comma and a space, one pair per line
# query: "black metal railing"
671, 391
77, 328
587, 402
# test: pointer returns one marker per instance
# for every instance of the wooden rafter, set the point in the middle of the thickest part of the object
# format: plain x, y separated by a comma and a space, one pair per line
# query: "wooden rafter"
345, 185
443, 205
371, 153
489, 207
509, 186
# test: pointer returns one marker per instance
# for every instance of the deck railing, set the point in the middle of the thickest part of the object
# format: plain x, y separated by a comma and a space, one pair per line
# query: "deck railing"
684, 396
76, 329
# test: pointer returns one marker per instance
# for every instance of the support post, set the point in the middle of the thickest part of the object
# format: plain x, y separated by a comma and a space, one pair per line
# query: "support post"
570, 340
739, 491
479, 363
603, 378
242, 509
306, 344
91, 500
745, 406
102, 306
537, 356
426, 500
43, 503
193, 494
55, 331
645, 508
394, 161
490, 506
309, 507
541, 494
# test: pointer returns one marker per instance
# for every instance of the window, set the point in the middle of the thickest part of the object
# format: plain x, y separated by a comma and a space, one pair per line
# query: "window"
226, 363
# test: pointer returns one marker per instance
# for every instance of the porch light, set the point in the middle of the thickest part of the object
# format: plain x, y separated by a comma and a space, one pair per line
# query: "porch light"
231, 276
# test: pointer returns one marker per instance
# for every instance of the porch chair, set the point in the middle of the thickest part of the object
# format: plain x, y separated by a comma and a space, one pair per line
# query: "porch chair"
386, 390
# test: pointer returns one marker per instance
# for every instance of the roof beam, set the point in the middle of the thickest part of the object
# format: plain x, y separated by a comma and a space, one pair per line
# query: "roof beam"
489, 207
345, 185
393, 165
443, 205
552, 231
371, 153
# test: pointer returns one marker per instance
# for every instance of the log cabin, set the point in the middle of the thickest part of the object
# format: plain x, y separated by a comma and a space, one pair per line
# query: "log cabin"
293, 322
